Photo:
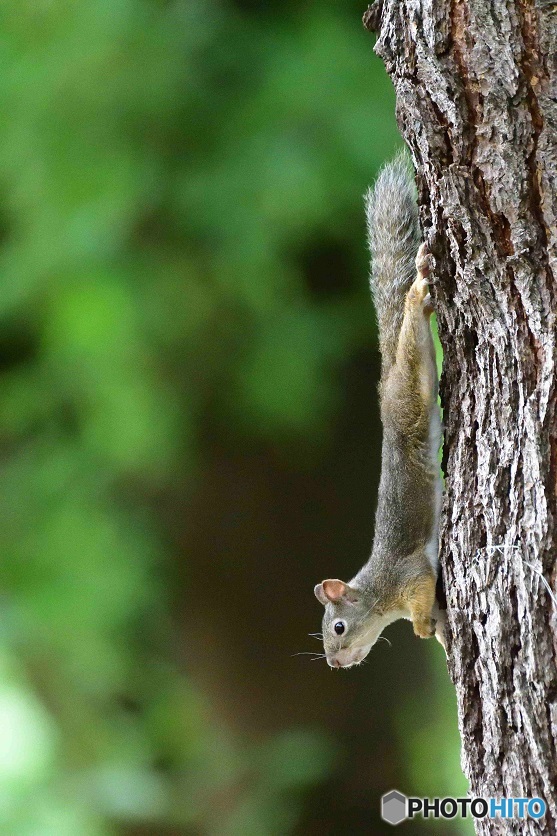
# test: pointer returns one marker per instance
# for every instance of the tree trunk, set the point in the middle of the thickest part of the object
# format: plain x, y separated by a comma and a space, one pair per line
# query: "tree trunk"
476, 87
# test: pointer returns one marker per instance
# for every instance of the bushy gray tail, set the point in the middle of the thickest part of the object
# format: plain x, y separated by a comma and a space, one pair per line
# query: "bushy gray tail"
394, 236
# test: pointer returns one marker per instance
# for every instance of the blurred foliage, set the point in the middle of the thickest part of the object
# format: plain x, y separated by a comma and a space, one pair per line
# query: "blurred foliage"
432, 750
165, 170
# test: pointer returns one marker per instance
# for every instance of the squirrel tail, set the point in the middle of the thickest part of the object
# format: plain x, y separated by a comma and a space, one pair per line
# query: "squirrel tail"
394, 236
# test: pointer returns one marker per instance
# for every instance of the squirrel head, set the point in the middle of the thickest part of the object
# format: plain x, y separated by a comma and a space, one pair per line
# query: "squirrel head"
351, 623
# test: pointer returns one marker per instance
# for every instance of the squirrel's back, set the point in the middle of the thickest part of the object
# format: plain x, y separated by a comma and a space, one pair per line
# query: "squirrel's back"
394, 236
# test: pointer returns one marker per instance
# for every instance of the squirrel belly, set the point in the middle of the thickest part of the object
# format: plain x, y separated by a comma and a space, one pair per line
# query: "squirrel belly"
399, 579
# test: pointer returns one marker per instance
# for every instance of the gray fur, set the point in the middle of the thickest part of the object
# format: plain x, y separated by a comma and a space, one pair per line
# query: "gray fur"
393, 237
404, 552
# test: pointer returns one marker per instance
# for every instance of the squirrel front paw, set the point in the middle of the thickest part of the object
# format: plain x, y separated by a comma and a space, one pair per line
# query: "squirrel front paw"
440, 627
425, 628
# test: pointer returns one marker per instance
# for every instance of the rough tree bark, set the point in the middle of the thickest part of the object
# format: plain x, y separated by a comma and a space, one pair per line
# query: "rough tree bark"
476, 88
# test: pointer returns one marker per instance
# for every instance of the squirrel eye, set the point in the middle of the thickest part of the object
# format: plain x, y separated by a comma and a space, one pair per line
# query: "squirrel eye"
339, 628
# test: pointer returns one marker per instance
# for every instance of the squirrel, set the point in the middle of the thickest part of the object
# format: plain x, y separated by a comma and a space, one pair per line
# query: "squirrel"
399, 579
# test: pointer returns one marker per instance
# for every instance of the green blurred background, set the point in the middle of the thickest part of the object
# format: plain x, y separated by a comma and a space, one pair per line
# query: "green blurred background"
189, 425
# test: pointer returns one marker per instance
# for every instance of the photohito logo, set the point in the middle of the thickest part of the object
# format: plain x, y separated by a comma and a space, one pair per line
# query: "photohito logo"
396, 808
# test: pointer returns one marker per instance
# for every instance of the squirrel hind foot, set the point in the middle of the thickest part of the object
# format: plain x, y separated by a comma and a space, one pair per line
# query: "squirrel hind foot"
419, 294
423, 260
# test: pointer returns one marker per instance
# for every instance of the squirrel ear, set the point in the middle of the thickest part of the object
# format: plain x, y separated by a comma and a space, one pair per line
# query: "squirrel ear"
320, 594
334, 591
